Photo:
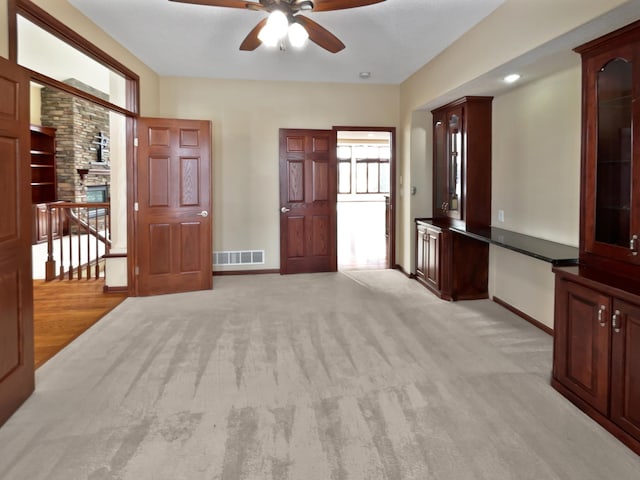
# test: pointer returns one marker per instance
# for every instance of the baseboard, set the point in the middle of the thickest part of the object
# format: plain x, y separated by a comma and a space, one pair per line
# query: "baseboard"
524, 316
244, 272
402, 270
107, 289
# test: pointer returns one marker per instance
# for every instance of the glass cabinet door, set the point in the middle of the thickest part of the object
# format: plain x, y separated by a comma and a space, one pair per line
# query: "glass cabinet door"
610, 167
613, 177
439, 165
454, 164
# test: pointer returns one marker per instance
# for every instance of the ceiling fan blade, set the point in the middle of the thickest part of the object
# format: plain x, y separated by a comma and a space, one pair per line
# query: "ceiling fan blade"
251, 41
223, 3
328, 5
320, 35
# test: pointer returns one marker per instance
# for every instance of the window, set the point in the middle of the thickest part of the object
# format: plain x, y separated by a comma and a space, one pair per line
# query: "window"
363, 169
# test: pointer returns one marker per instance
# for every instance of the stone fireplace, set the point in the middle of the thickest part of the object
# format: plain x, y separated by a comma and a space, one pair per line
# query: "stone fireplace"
82, 141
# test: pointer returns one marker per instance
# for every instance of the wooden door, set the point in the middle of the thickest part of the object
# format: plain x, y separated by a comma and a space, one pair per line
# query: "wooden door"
582, 335
16, 295
308, 195
625, 368
173, 217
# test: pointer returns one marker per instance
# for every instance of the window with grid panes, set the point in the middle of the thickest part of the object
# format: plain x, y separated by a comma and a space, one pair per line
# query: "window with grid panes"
363, 169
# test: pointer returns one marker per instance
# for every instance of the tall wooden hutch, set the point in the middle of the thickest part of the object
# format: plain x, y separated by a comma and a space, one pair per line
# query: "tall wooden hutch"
597, 304
455, 266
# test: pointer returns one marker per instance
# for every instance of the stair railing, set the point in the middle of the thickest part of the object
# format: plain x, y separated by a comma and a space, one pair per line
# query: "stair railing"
84, 237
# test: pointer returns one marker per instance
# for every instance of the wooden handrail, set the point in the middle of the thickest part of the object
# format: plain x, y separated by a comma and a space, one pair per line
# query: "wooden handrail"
72, 222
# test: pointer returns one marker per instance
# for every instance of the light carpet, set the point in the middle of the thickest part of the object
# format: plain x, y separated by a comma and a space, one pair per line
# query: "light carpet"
337, 376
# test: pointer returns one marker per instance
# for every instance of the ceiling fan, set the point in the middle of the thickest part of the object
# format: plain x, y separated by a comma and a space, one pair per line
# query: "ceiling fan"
285, 18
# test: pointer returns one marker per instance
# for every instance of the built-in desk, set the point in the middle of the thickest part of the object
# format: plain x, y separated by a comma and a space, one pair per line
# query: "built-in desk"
557, 254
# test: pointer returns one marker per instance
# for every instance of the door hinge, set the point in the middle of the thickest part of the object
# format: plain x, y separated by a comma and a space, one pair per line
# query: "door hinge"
137, 270
135, 142
136, 207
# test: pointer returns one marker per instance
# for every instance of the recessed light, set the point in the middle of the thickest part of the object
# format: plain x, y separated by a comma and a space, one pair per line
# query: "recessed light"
514, 77
365, 75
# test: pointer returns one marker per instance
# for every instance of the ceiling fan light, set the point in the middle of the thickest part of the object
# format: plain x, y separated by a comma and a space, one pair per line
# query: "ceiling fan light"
279, 23
268, 36
297, 35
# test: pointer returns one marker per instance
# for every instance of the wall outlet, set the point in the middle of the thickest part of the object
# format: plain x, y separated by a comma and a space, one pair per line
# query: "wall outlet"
501, 215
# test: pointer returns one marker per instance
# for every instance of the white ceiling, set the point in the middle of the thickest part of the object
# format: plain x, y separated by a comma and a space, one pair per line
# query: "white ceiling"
392, 39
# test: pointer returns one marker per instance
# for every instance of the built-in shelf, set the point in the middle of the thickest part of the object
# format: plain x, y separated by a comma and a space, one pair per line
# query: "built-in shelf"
558, 254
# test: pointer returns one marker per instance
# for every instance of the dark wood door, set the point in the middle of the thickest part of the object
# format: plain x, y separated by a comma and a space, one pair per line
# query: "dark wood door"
582, 335
173, 217
16, 295
308, 184
625, 367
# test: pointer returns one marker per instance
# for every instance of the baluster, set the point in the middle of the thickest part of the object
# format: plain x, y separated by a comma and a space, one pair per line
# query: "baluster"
107, 235
88, 231
61, 216
97, 243
71, 220
79, 267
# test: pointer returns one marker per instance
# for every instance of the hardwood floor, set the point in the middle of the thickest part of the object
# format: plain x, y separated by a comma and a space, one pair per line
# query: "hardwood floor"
361, 237
65, 309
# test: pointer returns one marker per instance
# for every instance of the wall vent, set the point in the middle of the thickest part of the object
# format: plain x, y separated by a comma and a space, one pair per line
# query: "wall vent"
240, 257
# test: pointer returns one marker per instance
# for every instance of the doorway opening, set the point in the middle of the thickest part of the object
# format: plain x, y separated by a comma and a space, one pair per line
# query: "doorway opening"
365, 193
81, 103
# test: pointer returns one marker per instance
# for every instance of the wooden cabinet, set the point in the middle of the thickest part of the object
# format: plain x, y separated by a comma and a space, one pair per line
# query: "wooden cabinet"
43, 179
451, 265
597, 310
40, 223
43, 164
462, 161
610, 206
597, 350
428, 255
581, 354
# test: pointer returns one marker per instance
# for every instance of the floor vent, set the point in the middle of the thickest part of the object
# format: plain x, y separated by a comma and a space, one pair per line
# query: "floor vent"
244, 257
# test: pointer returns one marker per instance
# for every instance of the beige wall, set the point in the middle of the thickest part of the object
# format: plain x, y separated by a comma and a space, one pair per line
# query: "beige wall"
246, 117
536, 182
536, 157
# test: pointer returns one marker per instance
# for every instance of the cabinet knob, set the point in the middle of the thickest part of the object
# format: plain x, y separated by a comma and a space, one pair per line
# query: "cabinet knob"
601, 318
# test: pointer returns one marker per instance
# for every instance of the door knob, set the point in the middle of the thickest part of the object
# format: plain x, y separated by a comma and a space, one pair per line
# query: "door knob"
285, 209
203, 213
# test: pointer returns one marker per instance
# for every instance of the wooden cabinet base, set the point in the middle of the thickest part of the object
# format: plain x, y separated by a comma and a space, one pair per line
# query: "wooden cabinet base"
41, 223
452, 266
607, 424
596, 348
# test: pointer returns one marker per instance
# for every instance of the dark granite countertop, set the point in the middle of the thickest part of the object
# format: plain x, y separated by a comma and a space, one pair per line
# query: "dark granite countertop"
557, 254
